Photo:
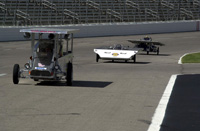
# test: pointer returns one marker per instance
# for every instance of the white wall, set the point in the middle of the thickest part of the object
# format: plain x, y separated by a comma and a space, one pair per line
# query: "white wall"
91, 30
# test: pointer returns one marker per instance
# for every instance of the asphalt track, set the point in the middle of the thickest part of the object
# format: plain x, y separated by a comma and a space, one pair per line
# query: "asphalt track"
106, 96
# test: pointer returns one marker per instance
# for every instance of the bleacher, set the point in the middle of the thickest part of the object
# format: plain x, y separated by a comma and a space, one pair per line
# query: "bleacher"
63, 12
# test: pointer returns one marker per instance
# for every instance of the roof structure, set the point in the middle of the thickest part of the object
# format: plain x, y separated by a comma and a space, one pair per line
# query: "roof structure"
50, 30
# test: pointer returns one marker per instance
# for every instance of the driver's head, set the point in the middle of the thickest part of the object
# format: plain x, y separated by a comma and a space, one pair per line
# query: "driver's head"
146, 38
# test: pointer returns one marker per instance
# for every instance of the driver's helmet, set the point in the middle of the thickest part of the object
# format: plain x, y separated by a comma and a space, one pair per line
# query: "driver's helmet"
147, 38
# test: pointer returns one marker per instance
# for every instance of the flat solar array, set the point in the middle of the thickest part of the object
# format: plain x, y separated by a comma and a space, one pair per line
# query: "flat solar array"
62, 12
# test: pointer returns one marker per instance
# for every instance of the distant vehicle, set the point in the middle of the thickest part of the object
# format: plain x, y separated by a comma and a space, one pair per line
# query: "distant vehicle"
50, 59
147, 45
116, 52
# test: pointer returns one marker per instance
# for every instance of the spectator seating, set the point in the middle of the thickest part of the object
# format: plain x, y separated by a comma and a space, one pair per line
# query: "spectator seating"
62, 12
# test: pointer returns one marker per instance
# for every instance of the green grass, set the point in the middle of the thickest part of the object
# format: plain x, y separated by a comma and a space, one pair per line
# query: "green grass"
191, 58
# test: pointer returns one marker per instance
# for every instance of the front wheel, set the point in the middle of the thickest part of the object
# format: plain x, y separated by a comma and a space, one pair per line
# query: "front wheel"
69, 74
16, 70
97, 58
158, 50
36, 79
134, 58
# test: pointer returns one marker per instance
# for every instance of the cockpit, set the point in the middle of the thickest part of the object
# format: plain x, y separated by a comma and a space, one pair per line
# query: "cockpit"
44, 52
118, 47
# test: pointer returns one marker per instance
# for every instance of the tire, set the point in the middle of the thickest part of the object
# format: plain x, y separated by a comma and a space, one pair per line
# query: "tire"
16, 70
36, 79
158, 50
97, 58
148, 49
134, 58
69, 74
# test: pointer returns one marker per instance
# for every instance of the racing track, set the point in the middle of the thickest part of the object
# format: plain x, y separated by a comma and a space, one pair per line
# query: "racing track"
106, 96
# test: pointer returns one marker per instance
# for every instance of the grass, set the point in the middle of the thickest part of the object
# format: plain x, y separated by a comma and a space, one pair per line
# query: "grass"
191, 58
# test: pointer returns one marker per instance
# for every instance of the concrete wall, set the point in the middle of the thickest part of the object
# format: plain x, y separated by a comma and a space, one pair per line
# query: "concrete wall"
92, 30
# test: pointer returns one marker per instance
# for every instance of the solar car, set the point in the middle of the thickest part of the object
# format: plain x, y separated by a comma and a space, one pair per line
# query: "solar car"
147, 45
51, 58
116, 52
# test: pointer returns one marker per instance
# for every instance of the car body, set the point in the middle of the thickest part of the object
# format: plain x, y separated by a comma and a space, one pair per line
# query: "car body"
116, 52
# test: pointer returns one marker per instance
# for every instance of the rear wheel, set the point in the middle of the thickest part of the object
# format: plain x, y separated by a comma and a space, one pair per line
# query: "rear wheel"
97, 58
69, 74
16, 70
134, 58
158, 51
148, 50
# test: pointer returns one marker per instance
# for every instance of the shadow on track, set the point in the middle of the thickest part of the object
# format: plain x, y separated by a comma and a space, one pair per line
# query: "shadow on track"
153, 54
91, 84
128, 62
183, 109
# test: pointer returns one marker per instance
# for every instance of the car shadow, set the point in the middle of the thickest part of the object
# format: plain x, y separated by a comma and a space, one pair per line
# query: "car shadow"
183, 109
154, 54
128, 62
94, 84
76, 83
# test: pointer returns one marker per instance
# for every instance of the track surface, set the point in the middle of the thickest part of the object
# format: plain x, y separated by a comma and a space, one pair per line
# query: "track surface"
106, 96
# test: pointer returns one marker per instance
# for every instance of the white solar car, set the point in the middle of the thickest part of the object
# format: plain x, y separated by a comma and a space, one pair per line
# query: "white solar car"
116, 52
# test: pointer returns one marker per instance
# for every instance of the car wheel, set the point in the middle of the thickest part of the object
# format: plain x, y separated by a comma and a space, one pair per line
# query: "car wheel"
134, 58
16, 70
69, 74
97, 58
36, 79
158, 51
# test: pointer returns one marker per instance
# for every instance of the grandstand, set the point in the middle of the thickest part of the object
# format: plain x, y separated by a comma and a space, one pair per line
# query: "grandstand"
64, 12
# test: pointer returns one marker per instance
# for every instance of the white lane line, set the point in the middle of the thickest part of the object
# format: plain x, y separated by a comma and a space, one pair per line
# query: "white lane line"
7, 49
180, 59
159, 114
2, 74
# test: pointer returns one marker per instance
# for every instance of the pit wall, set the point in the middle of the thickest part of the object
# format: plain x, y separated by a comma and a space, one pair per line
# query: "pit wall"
11, 33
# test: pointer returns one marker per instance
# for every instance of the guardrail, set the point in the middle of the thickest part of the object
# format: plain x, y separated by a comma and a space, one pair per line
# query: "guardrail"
118, 29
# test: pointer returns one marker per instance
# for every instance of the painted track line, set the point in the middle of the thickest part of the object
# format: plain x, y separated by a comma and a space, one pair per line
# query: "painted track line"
180, 59
159, 114
2, 74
